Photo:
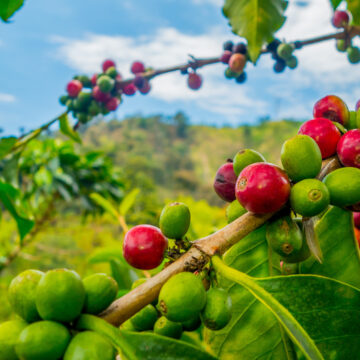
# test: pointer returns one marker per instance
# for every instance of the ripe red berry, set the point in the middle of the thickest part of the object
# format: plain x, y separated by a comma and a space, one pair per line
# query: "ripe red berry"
73, 88
108, 64
137, 67
112, 104
237, 62
356, 219
98, 95
324, 132
139, 81
94, 79
333, 108
348, 148
194, 81
340, 18
144, 247
225, 57
129, 89
225, 180
145, 89
262, 188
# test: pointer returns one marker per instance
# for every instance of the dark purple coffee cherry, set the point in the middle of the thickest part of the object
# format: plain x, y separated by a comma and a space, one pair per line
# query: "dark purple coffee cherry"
240, 48
225, 180
279, 66
228, 45
241, 78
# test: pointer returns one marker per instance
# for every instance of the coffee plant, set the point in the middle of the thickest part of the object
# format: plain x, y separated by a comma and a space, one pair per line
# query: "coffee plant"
280, 281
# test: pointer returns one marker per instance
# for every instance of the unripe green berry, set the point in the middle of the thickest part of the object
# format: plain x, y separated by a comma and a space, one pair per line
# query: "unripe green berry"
166, 327
229, 74
94, 108
244, 158
145, 318
175, 220
112, 72
85, 80
285, 50
234, 211
63, 99
341, 45
353, 53
292, 62
105, 83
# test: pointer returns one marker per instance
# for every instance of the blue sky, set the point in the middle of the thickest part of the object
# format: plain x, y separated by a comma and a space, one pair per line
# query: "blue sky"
48, 42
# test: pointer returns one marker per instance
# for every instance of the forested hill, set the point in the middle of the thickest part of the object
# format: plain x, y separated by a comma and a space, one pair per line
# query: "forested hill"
174, 157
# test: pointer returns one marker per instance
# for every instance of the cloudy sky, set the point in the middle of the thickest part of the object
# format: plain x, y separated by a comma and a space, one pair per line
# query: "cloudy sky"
48, 42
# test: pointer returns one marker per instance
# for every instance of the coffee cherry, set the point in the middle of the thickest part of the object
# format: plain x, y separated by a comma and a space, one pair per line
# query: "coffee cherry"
137, 67
165, 327
145, 318
217, 312
73, 88
94, 108
262, 188
284, 236
224, 183
301, 157
244, 158
94, 79
85, 80
234, 211
241, 78
285, 51
333, 108
9, 334
83, 100
175, 220
324, 132
228, 45
182, 297
273, 45
279, 66
341, 45
139, 81
309, 197
356, 216
100, 96
292, 62
229, 74
145, 89
111, 72
353, 53
225, 57
108, 64
240, 48
144, 247
105, 83
194, 81
344, 186
112, 104
348, 148
63, 99
129, 89
340, 19
237, 62
82, 117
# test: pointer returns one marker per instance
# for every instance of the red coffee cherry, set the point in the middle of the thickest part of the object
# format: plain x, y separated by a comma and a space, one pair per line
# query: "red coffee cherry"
137, 67
224, 183
144, 247
333, 108
194, 81
73, 88
108, 64
225, 57
348, 148
340, 18
129, 89
98, 95
112, 104
262, 188
324, 132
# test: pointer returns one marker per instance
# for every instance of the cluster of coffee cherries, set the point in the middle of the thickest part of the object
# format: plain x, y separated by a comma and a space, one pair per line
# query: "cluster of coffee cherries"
235, 56
251, 184
341, 19
282, 53
186, 300
88, 97
48, 306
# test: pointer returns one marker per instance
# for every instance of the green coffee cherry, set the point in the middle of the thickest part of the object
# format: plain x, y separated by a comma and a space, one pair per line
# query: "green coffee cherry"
70, 104
234, 211
244, 158
112, 72
145, 318
83, 100
128, 326
292, 62
9, 334
285, 50
101, 291
217, 312
353, 53
165, 327
341, 45
229, 74
175, 220
63, 99
105, 83
284, 236
85, 80
301, 157
94, 108
22, 294
182, 297
309, 197
82, 117
344, 186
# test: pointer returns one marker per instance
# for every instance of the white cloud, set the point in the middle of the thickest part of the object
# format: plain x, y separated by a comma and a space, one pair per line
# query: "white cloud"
7, 98
218, 3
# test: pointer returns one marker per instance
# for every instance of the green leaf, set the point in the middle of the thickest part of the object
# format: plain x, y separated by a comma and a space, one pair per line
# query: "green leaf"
255, 20
66, 128
144, 346
336, 236
335, 3
8, 195
10, 170
354, 7
312, 239
105, 204
128, 201
8, 7
293, 328
6, 145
